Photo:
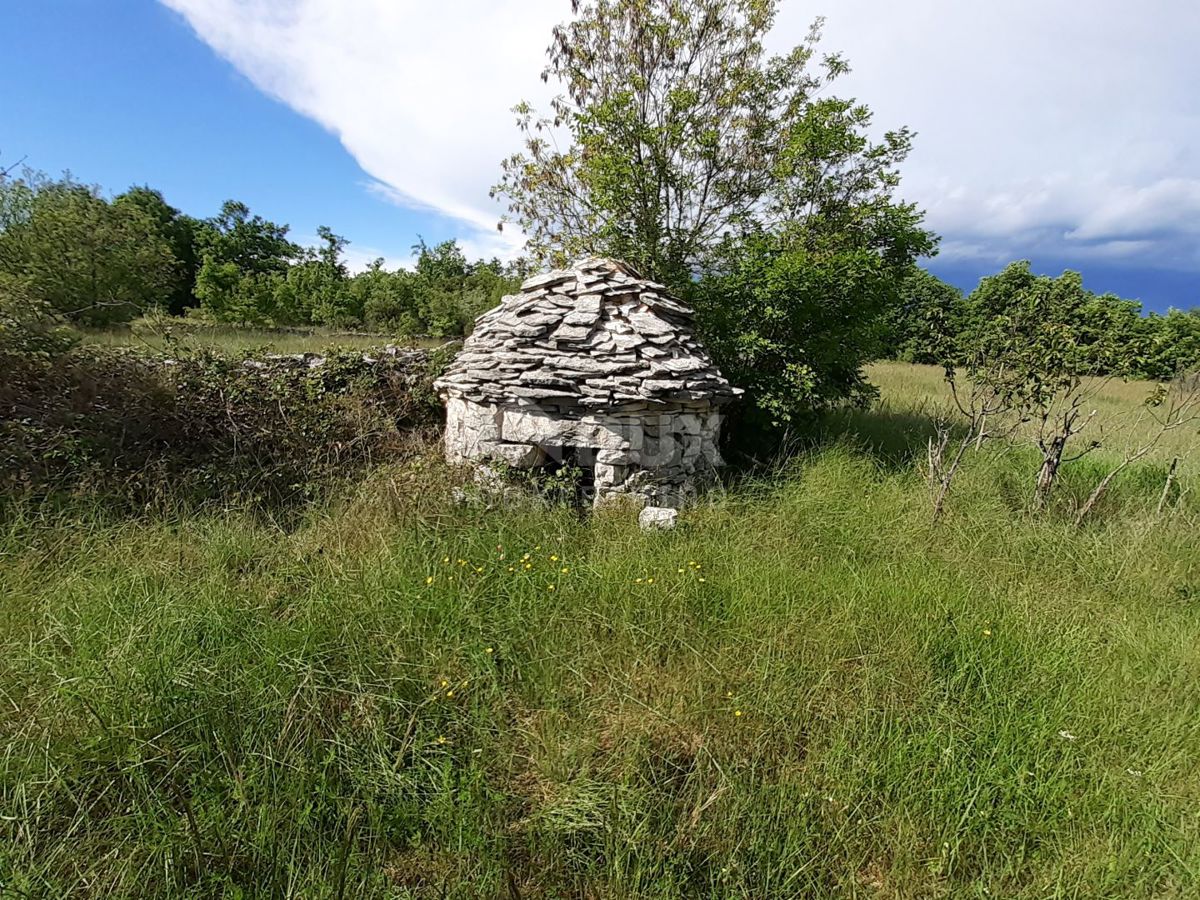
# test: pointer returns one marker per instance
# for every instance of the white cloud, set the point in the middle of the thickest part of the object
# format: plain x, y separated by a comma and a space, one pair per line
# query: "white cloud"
1049, 127
1044, 126
419, 93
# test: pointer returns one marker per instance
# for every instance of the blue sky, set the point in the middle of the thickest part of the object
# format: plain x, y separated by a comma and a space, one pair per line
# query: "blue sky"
386, 119
122, 92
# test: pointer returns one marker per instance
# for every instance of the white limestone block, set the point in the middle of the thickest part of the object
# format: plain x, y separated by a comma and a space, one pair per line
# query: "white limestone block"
657, 518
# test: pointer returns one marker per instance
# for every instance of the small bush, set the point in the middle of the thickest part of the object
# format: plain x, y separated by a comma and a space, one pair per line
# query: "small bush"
27, 325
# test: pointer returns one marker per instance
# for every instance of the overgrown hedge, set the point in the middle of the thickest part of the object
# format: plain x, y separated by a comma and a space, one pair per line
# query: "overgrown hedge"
146, 429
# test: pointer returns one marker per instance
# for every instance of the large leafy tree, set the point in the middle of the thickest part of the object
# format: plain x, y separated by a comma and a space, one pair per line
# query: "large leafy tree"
1033, 342
925, 325
244, 257
1173, 343
450, 291
675, 122
1045, 333
179, 231
254, 244
795, 302
682, 146
92, 261
316, 289
387, 299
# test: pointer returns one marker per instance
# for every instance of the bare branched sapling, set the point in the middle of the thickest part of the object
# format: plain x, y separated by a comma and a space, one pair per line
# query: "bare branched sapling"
1170, 407
978, 404
1060, 415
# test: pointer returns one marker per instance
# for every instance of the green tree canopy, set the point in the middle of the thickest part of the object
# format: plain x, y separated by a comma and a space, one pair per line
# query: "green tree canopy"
681, 127
731, 174
92, 261
243, 255
254, 244
1035, 335
179, 231
925, 325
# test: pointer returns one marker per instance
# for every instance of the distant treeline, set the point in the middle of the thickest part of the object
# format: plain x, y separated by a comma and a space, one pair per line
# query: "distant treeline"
69, 250
936, 323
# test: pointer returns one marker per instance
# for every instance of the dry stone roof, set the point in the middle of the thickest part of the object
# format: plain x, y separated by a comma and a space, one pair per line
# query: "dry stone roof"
595, 335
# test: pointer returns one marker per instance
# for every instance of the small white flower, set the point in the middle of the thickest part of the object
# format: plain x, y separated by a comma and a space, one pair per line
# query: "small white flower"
1136, 773
1066, 735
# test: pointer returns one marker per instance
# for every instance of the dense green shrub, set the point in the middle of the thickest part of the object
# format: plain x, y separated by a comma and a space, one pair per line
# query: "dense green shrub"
28, 325
90, 260
924, 327
139, 428
793, 316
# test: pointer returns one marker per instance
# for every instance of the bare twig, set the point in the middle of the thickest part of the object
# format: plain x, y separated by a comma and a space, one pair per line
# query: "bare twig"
1166, 492
1172, 407
978, 406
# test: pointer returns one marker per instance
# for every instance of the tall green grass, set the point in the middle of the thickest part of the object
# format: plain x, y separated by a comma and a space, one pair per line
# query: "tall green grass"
915, 392
806, 690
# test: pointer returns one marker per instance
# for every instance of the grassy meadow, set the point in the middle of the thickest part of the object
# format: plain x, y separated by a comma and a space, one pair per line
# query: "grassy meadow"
1121, 423
805, 690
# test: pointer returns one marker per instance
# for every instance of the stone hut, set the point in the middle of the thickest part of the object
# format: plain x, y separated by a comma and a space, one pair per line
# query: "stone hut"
591, 366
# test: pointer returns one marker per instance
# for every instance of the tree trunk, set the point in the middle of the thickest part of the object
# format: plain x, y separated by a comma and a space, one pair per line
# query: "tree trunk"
946, 476
982, 429
1051, 460
1162, 501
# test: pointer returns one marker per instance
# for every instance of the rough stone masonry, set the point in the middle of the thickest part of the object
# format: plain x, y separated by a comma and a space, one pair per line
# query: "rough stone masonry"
592, 366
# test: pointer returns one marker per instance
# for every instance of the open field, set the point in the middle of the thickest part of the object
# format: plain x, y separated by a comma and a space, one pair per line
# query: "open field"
236, 339
1121, 422
805, 691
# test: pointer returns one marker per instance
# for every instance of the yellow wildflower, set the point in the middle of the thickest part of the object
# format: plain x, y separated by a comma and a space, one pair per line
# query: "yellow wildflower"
429, 580
449, 694
488, 650
553, 557
549, 587
445, 683
637, 581
441, 739
649, 581
987, 632
445, 559
737, 713
564, 570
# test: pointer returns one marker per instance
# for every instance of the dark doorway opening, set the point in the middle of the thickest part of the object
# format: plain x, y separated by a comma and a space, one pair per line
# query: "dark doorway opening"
569, 475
